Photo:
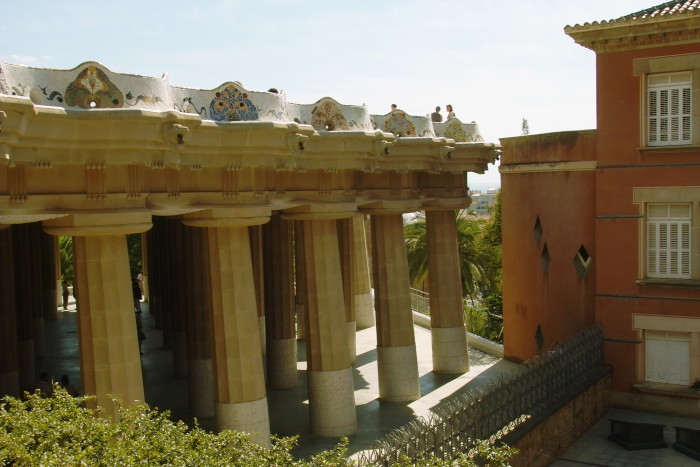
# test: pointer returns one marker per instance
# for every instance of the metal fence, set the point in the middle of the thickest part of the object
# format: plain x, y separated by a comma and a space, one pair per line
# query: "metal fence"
420, 301
536, 388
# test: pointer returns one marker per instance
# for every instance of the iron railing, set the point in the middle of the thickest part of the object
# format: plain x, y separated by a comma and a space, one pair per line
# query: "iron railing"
534, 389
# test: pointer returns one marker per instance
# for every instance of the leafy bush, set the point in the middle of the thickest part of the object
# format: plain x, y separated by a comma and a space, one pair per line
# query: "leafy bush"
61, 431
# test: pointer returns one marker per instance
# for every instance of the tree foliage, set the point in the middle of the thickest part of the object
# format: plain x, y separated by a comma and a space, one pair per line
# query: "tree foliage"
61, 430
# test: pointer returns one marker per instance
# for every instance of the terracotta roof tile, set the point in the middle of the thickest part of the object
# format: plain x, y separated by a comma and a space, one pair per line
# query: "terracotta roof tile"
675, 8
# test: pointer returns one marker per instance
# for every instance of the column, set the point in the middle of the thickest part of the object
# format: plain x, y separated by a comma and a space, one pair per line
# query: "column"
145, 266
24, 298
330, 379
177, 291
109, 352
49, 254
241, 401
396, 346
345, 244
300, 282
279, 304
200, 374
256, 253
449, 337
9, 374
362, 288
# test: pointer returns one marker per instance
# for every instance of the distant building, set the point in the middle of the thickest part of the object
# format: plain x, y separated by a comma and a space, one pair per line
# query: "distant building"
604, 225
482, 201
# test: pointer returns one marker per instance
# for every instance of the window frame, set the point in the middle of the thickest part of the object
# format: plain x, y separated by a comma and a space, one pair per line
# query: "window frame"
669, 100
669, 262
656, 67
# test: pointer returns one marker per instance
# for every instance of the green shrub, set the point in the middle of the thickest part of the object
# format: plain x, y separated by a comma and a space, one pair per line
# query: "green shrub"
61, 431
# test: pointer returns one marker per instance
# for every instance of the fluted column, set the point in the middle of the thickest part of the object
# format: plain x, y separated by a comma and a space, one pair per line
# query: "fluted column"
25, 297
109, 351
300, 282
345, 244
49, 249
178, 297
279, 304
241, 401
330, 380
9, 374
362, 288
396, 346
256, 253
449, 337
200, 375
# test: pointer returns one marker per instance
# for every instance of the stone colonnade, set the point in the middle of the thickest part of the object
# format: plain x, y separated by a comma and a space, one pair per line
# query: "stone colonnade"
203, 283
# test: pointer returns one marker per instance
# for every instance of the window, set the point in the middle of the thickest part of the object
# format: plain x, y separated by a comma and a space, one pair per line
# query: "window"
668, 240
667, 357
669, 109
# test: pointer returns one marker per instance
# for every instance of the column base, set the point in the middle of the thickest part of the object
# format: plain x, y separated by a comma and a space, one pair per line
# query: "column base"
201, 388
250, 417
398, 373
9, 384
180, 354
450, 351
282, 363
352, 342
364, 311
332, 402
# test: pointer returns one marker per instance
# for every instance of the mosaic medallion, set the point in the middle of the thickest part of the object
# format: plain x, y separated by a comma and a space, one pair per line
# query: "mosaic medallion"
93, 89
232, 105
399, 124
455, 131
327, 116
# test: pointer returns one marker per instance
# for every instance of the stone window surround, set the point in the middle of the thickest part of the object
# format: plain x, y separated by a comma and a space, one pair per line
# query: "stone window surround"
671, 194
643, 67
682, 324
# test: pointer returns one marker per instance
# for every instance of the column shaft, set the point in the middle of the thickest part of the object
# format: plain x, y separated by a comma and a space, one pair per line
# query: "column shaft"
240, 384
396, 347
279, 303
109, 351
200, 377
9, 374
331, 390
449, 337
24, 298
362, 288
345, 244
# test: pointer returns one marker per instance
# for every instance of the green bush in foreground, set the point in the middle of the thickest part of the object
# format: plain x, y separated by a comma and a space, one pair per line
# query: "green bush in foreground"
61, 431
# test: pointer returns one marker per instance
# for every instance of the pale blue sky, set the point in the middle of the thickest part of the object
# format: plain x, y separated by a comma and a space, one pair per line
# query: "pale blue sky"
496, 62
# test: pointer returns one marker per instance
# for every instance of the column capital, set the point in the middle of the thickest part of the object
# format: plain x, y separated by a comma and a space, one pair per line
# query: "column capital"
103, 223
392, 206
320, 211
239, 216
446, 204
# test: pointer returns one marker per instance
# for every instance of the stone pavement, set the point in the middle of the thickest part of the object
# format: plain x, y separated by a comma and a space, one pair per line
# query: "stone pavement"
594, 448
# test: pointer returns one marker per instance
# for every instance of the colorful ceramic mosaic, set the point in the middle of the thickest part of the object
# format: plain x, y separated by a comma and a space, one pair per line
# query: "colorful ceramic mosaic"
456, 132
93, 89
232, 105
4, 88
399, 124
327, 116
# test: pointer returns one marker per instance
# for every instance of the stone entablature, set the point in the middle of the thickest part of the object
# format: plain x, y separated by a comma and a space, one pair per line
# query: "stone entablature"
94, 146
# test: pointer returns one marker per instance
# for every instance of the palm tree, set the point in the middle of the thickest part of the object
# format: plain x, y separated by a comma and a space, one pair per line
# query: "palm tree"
473, 261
